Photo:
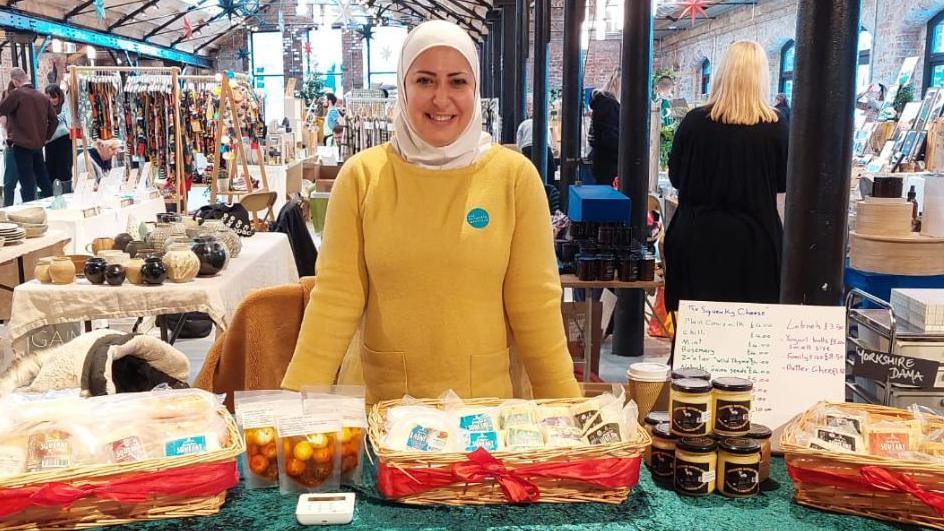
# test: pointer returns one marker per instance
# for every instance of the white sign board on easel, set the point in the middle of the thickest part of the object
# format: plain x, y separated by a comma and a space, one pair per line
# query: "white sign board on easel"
795, 355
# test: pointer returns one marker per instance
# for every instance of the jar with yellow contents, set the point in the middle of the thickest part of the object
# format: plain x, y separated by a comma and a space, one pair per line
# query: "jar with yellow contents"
690, 406
732, 406
653, 419
696, 462
662, 463
762, 435
738, 467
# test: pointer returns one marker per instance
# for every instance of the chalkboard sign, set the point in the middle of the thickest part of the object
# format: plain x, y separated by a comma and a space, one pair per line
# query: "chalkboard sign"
795, 355
882, 366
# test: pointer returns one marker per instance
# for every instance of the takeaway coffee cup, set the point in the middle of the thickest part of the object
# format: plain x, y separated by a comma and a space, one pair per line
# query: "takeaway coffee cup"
649, 385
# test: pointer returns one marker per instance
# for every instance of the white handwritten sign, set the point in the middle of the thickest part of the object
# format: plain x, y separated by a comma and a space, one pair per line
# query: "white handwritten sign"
795, 355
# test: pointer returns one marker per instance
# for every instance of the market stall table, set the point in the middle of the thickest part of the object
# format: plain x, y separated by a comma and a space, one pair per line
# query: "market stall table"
266, 260
19, 251
571, 281
84, 224
648, 507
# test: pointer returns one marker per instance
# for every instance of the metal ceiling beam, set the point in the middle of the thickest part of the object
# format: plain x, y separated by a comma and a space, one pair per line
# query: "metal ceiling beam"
176, 17
76, 10
261, 10
198, 27
130, 15
457, 16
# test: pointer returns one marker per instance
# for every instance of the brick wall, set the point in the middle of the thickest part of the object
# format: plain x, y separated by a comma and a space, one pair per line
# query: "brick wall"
352, 60
899, 30
227, 56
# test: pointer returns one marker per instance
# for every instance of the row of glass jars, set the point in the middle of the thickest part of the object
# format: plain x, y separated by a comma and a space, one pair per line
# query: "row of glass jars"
698, 466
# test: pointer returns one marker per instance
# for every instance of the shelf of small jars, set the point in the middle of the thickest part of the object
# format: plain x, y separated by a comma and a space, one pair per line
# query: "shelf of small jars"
571, 281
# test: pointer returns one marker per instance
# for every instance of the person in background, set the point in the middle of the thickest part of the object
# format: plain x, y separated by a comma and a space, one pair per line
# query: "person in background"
871, 101
728, 162
664, 94
59, 147
332, 117
31, 121
437, 214
525, 141
782, 106
9, 162
101, 156
604, 131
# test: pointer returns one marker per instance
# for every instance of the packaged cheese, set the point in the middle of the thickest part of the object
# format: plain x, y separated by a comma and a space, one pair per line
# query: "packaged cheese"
517, 413
555, 416
563, 437
520, 437
842, 439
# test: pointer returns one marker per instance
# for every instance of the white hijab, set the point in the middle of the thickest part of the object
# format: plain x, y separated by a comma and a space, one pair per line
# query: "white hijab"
473, 142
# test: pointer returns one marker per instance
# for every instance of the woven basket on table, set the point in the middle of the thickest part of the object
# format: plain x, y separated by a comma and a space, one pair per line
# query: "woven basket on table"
489, 492
846, 492
94, 511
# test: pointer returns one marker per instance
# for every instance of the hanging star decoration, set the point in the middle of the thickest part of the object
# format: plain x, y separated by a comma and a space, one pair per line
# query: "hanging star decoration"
238, 8
307, 48
345, 13
385, 53
366, 31
100, 9
242, 54
692, 9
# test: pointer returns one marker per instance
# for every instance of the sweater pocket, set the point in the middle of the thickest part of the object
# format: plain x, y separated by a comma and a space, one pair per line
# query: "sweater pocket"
489, 375
384, 374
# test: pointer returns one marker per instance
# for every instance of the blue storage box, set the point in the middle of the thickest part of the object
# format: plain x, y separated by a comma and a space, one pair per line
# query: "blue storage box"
881, 285
598, 203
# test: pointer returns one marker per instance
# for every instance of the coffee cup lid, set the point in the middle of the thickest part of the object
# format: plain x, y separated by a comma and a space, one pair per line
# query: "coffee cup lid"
649, 372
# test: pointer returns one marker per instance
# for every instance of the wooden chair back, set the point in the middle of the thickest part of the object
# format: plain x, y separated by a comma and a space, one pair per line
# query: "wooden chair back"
257, 202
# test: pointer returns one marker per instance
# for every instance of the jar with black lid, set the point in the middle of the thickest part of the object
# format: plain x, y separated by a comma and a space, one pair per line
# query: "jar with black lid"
738, 467
732, 406
587, 266
690, 407
762, 435
578, 230
606, 235
647, 268
690, 372
662, 460
628, 268
696, 460
568, 251
653, 419
607, 267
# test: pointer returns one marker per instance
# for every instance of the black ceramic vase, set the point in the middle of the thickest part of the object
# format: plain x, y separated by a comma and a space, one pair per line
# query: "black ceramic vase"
122, 241
212, 254
168, 217
153, 271
115, 274
95, 270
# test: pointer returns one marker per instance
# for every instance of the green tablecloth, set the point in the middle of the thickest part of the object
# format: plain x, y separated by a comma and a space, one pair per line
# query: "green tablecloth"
649, 507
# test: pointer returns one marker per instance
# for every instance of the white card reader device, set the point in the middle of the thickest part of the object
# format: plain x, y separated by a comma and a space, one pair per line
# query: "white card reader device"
325, 508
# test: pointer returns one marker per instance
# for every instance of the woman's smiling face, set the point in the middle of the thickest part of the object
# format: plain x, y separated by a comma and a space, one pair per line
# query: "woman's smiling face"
440, 93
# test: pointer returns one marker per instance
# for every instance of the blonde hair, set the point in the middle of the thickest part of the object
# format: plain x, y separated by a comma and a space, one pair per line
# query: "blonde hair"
741, 89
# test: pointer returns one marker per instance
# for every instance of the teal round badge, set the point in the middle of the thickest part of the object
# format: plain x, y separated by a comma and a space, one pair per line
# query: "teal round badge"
477, 218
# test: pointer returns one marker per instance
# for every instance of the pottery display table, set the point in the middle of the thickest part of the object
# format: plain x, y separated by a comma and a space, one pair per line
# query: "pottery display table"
85, 223
266, 260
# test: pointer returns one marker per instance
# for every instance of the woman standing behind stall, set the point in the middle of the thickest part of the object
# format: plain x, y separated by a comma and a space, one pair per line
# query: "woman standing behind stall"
59, 147
728, 162
442, 243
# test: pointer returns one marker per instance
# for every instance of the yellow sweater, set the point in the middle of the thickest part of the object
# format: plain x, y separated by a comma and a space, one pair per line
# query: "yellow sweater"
441, 264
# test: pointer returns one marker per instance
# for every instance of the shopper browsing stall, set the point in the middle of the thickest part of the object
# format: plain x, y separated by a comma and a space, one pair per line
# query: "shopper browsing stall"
100, 157
59, 147
31, 121
729, 162
434, 239
604, 131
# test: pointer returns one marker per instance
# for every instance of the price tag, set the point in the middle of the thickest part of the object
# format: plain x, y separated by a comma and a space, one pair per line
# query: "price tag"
90, 212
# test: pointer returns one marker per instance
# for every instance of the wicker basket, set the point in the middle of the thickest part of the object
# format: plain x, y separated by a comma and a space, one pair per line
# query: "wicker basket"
489, 490
864, 485
93, 511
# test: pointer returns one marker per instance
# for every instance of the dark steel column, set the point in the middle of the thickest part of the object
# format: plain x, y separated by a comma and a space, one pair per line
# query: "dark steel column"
818, 171
509, 72
635, 100
571, 98
542, 34
497, 37
522, 38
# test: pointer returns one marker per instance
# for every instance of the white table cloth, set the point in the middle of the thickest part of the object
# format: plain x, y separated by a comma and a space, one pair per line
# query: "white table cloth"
266, 260
111, 219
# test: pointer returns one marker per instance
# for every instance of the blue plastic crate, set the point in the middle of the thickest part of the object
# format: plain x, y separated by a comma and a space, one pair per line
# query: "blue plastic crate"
881, 284
597, 203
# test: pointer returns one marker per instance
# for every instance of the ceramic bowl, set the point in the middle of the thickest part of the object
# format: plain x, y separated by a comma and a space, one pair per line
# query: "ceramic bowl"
36, 215
35, 232
79, 261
